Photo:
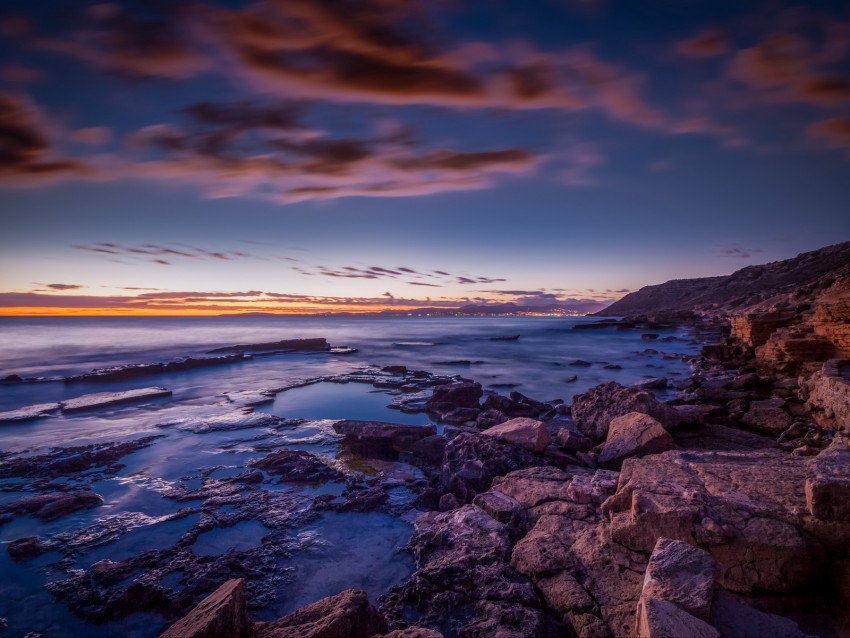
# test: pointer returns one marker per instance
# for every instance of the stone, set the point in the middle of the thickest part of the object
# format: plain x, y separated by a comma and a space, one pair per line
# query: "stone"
573, 441
55, 504
828, 490
380, 436
634, 434
663, 619
287, 345
768, 416
745, 381
222, 614
682, 574
106, 399
345, 615
510, 407
297, 466
828, 392
448, 396
523, 432
503, 508
655, 383
735, 619
459, 416
594, 410
28, 413
414, 632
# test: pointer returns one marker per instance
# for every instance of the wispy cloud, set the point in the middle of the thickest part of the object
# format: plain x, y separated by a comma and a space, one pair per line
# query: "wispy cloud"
161, 254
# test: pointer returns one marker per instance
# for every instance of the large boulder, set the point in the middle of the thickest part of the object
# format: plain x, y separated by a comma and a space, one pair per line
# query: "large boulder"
529, 434
634, 434
828, 488
346, 615
594, 410
663, 619
223, 613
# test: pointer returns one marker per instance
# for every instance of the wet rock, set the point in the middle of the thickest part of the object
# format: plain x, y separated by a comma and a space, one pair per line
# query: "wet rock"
489, 418
463, 580
449, 396
448, 502
459, 416
346, 615
768, 416
649, 336
106, 399
656, 383
286, 345
234, 420
663, 619
222, 613
25, 548
571, 379
746, 381
580, 363
612, 366
297, 466
634, 434
379, 437
133, 371
473, 460
594, 410
526, 433
29, 413
53, 505
572, 441
427, 453
509, 407
682, 574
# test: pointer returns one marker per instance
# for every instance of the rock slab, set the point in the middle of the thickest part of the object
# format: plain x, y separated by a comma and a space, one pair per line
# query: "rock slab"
221, 614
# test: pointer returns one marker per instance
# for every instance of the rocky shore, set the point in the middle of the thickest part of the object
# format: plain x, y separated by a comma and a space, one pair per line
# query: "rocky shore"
722, 512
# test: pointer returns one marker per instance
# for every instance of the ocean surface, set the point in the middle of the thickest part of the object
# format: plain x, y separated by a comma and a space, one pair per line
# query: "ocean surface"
316, 555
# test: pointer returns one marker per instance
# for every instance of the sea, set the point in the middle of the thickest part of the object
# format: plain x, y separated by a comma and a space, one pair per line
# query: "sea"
325, 552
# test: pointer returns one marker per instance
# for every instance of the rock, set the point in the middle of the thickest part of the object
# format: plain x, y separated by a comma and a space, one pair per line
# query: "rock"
509, 407
681, 574
612, 366
746, 381
463, 582
459, 416
594, 410
649, 336
580, 363
525, 433
473, 460
28, 413
696, 414
828, 395
743, 507
222, 614
489, 418
426, 454
503, 508
634, 434
297, 466
448, 502
572, 441
286, 345
29, 547
828, 491
571, 379
662, 619
378, 436
55, 504
346, 615
448, 396
105, 399
414, 632
768, 416
656, 383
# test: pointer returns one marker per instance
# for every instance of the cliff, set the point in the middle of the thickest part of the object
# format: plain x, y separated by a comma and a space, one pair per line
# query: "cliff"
781, 285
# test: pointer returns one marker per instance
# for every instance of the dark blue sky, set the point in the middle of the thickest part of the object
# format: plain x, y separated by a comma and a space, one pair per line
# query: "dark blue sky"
353, 154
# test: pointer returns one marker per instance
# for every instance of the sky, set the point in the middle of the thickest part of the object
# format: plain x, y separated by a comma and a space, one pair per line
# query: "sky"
215, 156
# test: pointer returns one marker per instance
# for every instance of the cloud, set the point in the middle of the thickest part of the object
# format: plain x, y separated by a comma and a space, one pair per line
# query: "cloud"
138, 47
788, 68
834, 132
20, 74
155, 253
94, 136
27, 153
738, 251
63, 286
705, 44
381, 272
581, 159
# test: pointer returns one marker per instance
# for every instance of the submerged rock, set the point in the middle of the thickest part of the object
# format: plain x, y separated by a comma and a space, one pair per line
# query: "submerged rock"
286, 345
382, 436
54, 504
105, 399
29, 412
297, 466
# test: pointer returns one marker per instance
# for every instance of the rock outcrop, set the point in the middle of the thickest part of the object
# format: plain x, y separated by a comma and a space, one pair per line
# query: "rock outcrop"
594, 410
634, 434
346, 615
222, 613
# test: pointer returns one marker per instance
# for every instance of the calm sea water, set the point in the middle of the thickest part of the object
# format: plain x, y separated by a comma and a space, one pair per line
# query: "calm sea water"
340, 550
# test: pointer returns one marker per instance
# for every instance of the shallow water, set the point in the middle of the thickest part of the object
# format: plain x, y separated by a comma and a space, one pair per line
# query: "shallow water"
201, 442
